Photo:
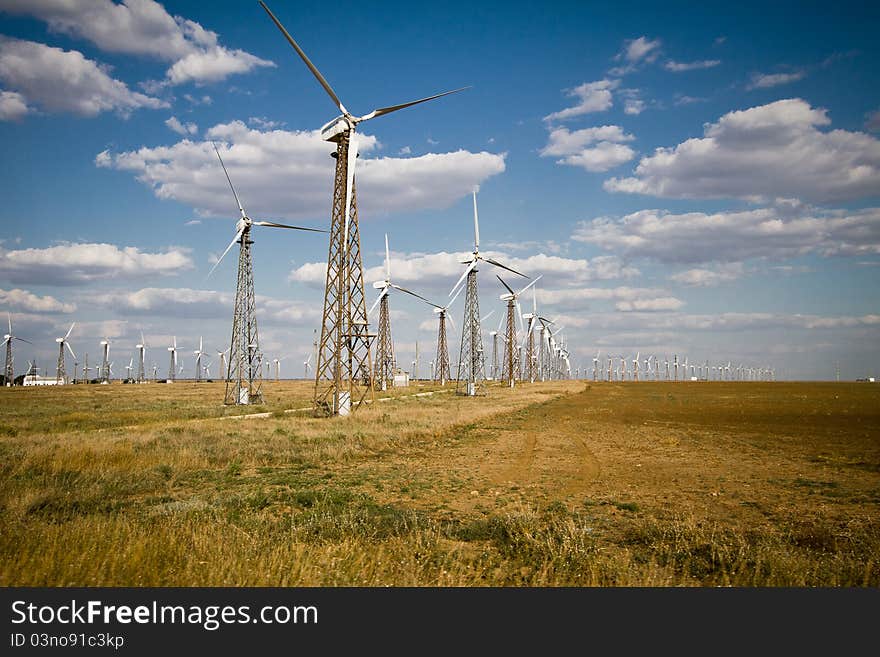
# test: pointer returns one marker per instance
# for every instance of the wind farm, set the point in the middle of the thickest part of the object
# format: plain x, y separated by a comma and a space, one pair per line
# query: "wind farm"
381, 392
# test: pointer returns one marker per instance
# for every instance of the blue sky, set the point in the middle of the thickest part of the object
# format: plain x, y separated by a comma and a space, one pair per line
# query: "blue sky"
693, 179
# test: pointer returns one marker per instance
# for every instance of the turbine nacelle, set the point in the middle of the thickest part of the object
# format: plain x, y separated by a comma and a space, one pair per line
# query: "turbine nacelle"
332, 130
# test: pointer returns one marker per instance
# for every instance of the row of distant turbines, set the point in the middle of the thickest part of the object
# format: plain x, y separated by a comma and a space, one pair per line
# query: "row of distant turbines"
526, 346
614, 368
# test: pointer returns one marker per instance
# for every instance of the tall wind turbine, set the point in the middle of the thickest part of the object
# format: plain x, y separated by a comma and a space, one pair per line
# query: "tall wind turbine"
105, 361
224, 371
343, 373
440, 371
509, 372
10, 361
198, 354
60, 373
172, 367
596, 366
141, 376
385, 362
307, 365
471, 374
244, 376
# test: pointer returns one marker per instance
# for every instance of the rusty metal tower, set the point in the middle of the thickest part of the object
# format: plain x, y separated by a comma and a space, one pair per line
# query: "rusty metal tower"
343, 371
385, 362
471, 374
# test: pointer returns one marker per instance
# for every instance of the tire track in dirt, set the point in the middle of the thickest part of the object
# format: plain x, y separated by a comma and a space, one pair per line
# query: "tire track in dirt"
545, 457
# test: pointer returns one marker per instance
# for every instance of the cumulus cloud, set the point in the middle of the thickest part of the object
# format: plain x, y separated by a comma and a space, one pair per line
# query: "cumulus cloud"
68, 264
591, 97
142, 27
872, 122
605, 154
214, 64
762, 153
180, 128
633, 106
65, 81
680, 67
182, 302
698, 277
13, 106
773, 232
767, 80
290, 173
440, 270
22, 300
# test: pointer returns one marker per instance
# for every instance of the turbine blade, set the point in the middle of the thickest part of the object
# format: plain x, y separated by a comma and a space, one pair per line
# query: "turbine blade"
529, 285
22, 339
498, 264
455, 297
487, 316
307, 61
69, 349
387, 260
418, 296
228, 179
376, 303
476, 225
463, 276
272, 224
505, 285
234, 240
349, 185
449, 317
393, 108
69, 331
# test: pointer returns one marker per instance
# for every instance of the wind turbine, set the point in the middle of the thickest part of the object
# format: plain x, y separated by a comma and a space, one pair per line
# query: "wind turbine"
10, 362
128, 369
172, 367
441, 371
141, 378
223, 369
636, 367
344, 354
60, 373
513, 311
470, 363
385, 363
198, 354
596, 366
307, 365
105, 362
245, 344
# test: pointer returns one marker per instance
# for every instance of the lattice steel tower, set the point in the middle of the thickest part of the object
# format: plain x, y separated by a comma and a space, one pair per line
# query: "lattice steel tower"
471, 374
244, 376
384, 347
441, 367
509, 370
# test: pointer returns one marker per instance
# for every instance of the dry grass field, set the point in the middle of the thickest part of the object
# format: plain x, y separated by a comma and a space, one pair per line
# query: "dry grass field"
556, 484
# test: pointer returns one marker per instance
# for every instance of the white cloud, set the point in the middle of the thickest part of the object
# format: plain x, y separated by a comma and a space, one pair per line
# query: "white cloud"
762, 153
563, 142
406, 150
204, 100
649, 305
65, 81
67, 264
290, 173
681, 99
23, 300
634, 53
640, 49
142, 27
602, 157
592, 97
607, 153
633, 106
181, 128
699, 277
773, 232
767, 80
13, 106
679, 67
265, 124
214, 64
872, 122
